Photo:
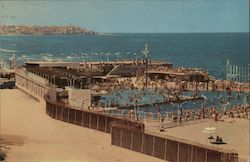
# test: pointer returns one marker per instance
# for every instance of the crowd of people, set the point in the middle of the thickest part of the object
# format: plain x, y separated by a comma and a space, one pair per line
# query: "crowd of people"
180, 70
238, 111
182, 116
114, 84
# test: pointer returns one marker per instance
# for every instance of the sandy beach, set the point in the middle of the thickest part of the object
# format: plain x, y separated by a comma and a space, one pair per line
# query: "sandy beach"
234, 132
29, 135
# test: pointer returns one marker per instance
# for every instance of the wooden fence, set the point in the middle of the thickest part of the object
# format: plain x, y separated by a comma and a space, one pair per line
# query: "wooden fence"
167, 149
130, 134
93, 120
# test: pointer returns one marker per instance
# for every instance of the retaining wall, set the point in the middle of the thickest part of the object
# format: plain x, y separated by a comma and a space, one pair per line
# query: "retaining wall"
31, 84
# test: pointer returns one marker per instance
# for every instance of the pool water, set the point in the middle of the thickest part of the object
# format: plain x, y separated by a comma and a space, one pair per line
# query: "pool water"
218, 99
133, 97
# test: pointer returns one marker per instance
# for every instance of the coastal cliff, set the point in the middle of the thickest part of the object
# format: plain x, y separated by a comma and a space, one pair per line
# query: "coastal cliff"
44, 30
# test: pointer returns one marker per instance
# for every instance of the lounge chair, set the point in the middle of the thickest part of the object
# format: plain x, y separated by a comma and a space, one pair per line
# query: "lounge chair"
218, 141
210, 137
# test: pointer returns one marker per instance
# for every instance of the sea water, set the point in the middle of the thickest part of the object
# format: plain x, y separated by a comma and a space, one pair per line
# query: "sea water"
204, 50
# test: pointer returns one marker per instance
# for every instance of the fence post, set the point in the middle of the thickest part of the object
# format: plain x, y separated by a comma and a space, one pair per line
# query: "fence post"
165, 148
153, 151
106, 118
111, 131
68, 114
206, 155
142, 142
49, 108
192, 152
75, 117
56, 113
89, 119
62, 114
121, 131
97, 122
178, 152
132, 140
82, 118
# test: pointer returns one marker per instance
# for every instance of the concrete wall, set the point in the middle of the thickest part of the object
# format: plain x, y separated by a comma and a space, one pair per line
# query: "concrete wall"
167, 149
52, 93
79, 98
31, 84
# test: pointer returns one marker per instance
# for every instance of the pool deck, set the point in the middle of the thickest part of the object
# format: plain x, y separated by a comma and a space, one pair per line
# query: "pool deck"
233, 131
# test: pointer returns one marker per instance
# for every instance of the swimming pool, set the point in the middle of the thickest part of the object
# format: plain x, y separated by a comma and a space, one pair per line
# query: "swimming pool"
136, 98
130, 98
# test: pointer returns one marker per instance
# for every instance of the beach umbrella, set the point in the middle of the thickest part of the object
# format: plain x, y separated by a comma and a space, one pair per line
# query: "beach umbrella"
209, 130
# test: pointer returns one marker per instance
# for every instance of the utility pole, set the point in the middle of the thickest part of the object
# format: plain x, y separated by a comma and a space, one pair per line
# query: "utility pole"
146, 53
14, 61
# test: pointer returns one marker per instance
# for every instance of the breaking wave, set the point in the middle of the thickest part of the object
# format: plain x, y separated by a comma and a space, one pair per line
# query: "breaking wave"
7, 50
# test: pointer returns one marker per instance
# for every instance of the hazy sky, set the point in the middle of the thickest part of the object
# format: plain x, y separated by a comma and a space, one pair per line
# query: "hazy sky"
132, 15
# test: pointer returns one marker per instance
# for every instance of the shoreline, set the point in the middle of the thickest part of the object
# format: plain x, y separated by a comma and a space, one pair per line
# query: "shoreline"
47, 34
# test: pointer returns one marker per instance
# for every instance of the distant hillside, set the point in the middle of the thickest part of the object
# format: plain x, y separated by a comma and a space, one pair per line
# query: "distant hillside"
44, 30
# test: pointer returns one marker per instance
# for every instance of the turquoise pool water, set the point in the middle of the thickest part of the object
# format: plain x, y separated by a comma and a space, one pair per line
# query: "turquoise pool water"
129, 97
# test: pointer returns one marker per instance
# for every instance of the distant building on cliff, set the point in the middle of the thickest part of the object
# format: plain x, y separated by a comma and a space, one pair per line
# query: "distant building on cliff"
44, 30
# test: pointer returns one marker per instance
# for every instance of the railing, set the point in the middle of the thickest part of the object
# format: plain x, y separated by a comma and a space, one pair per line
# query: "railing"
238, 73
31, 84
33, 77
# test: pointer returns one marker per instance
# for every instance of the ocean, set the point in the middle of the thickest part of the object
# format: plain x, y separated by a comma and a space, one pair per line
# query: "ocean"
204, 50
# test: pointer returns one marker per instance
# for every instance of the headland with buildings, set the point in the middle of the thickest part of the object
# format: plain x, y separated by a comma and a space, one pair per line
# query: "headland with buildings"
44, 30
110, 97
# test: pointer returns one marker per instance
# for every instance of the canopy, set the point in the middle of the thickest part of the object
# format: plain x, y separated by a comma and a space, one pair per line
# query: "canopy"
209, 130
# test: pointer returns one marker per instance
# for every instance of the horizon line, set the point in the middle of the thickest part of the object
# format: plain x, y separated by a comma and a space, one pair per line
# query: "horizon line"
100, 32
166, 32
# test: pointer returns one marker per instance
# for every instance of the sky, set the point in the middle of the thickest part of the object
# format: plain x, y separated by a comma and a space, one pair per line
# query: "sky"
132, 16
